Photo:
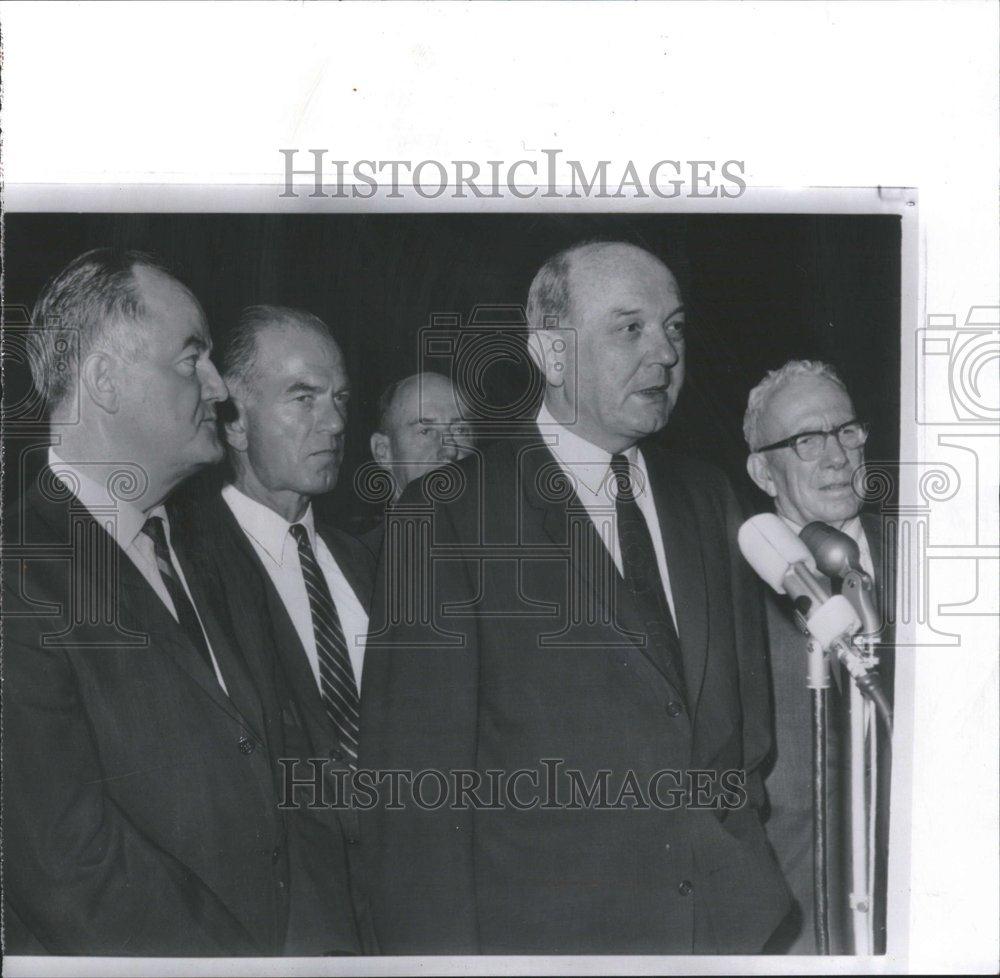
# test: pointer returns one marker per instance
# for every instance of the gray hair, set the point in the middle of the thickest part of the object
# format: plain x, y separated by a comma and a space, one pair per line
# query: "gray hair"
775, 379
84, 308
239, 362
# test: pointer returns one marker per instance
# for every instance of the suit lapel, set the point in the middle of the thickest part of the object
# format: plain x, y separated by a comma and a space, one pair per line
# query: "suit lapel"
222, 632
348, 565
567, 524
138, 606
287, 643
686, 567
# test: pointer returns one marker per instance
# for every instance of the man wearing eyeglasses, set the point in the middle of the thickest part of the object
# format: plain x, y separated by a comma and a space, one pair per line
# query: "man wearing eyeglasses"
806, 452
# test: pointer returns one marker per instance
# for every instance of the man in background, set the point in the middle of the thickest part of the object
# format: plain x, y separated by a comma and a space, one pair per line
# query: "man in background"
807, 449
139, 808
420, 428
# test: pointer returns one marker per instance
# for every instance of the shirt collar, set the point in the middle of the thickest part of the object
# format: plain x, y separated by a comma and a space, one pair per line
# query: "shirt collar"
579, 457
102, 503
264, 525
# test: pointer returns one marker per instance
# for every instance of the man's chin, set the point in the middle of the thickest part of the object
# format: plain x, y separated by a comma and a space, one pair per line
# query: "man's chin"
834, 515
652, 420
214, 452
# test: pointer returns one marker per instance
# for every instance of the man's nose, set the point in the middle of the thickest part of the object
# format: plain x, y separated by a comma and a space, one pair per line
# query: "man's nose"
834, 454
213, 387
666, 350
334, 417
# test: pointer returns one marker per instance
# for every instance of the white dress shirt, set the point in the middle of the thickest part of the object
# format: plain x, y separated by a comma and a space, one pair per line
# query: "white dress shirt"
270, 535
588, 468
124, 522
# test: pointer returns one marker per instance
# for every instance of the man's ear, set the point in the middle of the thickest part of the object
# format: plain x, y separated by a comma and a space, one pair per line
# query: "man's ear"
100, 377
379, 444
758, 470
236, 427
549, 351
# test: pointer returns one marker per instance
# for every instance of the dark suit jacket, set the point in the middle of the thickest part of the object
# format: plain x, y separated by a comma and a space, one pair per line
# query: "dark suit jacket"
328, 900
524, 660
788, 772
139, 805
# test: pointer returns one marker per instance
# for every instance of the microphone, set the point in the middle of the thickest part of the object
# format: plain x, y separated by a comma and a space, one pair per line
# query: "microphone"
837, 555
781, 559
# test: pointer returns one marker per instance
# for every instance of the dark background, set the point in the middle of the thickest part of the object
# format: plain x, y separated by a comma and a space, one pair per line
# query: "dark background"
759, 290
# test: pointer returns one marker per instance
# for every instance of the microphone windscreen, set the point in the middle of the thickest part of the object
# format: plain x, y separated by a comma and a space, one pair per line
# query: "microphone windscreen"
834, 551
769, 547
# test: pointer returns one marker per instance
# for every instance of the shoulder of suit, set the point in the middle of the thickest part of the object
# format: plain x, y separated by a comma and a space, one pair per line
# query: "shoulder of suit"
340, 540
693, 472
39, 514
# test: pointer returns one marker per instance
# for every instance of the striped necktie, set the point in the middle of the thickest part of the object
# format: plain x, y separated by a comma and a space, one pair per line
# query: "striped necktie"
186, 615
337, 684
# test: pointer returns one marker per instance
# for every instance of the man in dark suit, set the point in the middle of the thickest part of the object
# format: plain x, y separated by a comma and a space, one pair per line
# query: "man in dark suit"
140, 815
593, 640
807, 449
297, 594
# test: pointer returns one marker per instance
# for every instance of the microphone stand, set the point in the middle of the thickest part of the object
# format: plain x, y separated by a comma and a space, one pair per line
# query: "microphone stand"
837, 555
858, 656
818, 682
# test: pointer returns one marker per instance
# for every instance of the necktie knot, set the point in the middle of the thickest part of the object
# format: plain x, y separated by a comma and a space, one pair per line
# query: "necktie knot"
153, 528
622, 472
301, 535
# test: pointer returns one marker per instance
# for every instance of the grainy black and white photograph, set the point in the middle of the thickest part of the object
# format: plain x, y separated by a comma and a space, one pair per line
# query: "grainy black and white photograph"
497, 488
386, 584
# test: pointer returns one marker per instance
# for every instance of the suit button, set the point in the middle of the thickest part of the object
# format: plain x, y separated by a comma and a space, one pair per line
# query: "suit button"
674, 709
666, 847
685, 887
246, 745
275, 854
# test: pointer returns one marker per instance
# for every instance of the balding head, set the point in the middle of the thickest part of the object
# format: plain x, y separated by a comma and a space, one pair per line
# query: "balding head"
607, 333
420, 427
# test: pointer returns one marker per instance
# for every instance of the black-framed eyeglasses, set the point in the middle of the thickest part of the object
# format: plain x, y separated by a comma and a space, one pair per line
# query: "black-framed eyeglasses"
810, 445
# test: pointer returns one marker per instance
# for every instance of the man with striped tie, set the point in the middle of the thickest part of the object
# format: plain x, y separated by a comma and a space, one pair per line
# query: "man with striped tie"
140, 803
296, 592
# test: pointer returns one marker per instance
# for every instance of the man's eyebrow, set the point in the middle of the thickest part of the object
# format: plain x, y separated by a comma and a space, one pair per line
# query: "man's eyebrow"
301, 387
197, 342
618, 311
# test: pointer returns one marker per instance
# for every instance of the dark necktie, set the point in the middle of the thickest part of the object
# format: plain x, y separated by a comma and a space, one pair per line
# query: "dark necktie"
186, 616
642, 577
337, 684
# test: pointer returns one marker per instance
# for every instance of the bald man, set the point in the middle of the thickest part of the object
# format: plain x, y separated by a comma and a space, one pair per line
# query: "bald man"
420, 428
592, 647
